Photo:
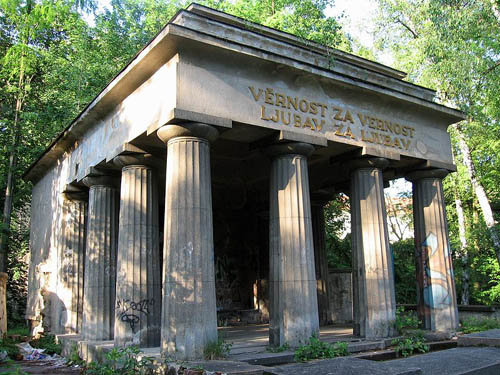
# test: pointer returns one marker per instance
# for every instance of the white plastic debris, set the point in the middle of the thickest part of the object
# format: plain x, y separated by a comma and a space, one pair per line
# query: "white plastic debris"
29, 353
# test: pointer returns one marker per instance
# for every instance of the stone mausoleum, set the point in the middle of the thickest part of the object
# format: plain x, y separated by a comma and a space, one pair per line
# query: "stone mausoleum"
195, 182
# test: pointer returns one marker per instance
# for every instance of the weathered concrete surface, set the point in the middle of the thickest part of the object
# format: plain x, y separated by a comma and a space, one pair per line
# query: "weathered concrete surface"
293, 300
458, 361
189, 320
486, 338
343, 366
340, 296
374, 301
100, 260
138, 282
436, 296
321, 261
71, 265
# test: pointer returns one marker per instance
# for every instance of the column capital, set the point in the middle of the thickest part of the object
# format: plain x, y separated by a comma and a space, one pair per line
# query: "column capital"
100, 177
426, 173
188, 129
371, 163
289, 148
75, 193
134, 159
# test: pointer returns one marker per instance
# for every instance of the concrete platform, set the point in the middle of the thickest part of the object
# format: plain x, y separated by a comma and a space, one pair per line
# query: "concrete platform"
485, 338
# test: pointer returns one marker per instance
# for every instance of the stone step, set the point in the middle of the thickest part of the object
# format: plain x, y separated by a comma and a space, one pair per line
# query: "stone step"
485, 338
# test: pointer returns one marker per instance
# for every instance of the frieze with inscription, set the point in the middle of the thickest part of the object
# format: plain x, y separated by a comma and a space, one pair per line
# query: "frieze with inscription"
289, 110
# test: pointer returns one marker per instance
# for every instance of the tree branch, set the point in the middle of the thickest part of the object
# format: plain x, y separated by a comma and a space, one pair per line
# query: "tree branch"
491, 68
415, 35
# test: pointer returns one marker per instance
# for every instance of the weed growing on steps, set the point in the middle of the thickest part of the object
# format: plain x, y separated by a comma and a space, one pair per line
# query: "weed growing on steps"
122, 361
411, 342
316, 349
217, 349
278, 349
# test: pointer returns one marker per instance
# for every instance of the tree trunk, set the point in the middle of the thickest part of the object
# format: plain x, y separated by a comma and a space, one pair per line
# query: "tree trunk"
480, 194
463, 248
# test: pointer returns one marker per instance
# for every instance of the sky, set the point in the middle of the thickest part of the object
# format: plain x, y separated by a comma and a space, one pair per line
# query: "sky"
356, 20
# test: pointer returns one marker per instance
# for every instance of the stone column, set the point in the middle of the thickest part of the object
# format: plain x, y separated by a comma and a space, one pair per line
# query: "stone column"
321, 261
100, 259
189, 320
72, 261
138, 285
373, 279
293, 300
436, 296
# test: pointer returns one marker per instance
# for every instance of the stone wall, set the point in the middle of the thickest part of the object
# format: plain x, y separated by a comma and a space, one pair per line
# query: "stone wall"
340, 292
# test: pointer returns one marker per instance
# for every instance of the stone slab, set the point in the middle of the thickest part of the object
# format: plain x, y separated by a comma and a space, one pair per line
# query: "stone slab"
458, 361
485, 338
343, 366
230, 367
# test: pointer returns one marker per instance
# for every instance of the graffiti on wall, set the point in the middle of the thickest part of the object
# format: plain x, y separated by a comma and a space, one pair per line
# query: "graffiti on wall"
130, 312
434, 275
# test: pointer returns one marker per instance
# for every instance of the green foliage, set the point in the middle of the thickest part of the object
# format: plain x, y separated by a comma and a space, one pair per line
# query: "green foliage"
278, 349
406, 320
217, 349
410, 343
123, 361
471, 325
404, 271
48, 343
317, 349
338, 248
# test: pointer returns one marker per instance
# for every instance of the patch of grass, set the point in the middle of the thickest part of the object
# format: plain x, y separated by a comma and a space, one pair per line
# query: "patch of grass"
317, 349
21, 330
472, 325
48, 343
278, 349
217, 349
13, 369
410, 343
8, 345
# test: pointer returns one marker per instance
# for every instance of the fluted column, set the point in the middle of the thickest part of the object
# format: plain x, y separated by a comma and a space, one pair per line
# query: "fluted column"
138, 285
436, 296
373, 279
100, 259
293, 300
189, 320
321, 260
72, 262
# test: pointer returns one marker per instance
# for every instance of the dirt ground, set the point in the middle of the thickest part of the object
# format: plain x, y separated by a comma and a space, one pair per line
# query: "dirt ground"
37, 367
